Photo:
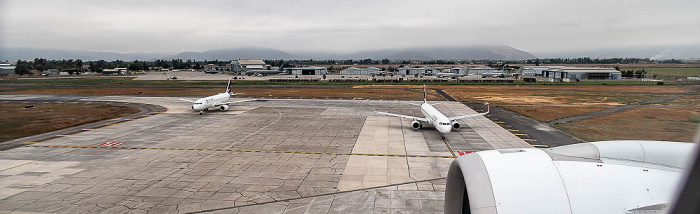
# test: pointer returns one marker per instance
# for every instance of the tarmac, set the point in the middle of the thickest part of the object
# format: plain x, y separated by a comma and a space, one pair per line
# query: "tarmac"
266, 156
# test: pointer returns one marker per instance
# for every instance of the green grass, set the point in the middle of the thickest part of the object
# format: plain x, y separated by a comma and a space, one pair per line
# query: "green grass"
679, 72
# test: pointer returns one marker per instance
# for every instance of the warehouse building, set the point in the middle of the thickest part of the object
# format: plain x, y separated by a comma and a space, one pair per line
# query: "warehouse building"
414, 71
240, 66
579, 73
360, 71
482, 70
535, 70
306, 71
7, 69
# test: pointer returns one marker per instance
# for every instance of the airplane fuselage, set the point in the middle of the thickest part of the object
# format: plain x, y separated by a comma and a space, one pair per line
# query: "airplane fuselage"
436, 118
210, 102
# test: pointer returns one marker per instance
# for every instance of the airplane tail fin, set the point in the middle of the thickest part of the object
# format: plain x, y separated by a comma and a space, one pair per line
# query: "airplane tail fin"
281, 67
228, 88
425, 95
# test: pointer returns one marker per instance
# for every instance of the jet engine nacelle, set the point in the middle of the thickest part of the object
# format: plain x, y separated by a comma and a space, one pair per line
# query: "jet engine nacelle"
415, 125
574, 178
455, 126
223, 107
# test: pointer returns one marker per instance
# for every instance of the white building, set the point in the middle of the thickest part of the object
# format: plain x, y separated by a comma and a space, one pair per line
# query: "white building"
535, 70
306, 71
419, 71
482, 70
581, 73
7, 69
360, 71
240, 66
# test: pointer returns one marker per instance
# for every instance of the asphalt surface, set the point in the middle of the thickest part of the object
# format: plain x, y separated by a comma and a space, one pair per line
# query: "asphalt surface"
536, 133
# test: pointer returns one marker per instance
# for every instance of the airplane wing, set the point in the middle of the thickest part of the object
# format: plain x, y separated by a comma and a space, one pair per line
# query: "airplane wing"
187, 100
488, 108
465, 116
401, 115
238, 101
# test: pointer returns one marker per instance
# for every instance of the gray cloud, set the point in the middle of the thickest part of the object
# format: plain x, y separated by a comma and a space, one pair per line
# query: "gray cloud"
539, 26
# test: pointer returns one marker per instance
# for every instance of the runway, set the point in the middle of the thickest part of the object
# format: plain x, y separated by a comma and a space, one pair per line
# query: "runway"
268, 156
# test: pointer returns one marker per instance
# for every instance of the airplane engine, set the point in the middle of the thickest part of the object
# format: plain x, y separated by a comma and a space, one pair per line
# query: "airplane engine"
416, 125
573, 178
455, 126
223, 107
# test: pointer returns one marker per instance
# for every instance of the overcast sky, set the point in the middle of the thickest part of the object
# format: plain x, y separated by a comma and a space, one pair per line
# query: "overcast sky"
170, 26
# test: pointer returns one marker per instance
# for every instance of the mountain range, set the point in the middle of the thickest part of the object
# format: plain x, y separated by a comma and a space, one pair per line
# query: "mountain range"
496, 52
493, 52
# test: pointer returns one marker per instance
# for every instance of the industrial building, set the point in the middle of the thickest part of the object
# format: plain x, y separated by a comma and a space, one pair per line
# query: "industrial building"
577, 73
414, 71
116, 71
535, 70
482, 70
306, 71
7, 69
240, 66
360, 71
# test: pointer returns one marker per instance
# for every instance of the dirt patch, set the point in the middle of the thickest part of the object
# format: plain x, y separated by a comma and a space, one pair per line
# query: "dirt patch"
520, 97
550, 113
646, 123
21, 120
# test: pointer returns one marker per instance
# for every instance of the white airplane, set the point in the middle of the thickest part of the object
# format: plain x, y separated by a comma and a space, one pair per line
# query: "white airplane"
632, 176
442, 123
215, 101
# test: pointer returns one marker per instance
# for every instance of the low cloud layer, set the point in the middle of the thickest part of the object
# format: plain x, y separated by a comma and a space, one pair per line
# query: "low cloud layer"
537, 26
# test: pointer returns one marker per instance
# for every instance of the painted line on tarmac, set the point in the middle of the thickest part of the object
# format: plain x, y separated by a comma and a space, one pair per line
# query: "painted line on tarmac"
241, 150
545, 146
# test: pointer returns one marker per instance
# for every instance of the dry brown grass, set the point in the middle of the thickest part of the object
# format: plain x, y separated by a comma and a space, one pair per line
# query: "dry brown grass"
647, 123
17, 121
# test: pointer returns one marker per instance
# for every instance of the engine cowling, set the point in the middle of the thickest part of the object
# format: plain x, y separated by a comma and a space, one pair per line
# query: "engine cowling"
223, 107
415, 125
456, 126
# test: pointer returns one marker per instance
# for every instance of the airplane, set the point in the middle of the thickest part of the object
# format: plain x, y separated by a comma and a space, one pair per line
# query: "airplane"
449, 75
442, 123
260, 73
624, 176
211, 72
215, 101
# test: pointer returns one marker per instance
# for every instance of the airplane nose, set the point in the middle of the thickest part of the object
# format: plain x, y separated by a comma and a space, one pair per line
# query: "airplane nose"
443, 129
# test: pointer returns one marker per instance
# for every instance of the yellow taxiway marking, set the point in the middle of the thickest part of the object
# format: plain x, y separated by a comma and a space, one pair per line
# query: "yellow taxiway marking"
62, 135
129, 119
529, 140
110, 124
499, 122
539, 145
242, 150
29, 143
513, 130
520, 134
88, 129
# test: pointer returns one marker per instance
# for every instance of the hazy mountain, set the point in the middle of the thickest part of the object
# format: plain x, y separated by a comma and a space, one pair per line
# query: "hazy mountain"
656, 52
495, 52
13, 54
235, 53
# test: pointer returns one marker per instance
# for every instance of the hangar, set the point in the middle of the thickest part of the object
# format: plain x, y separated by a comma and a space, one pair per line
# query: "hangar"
582, 73
239, 66
360, 71
306, 71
